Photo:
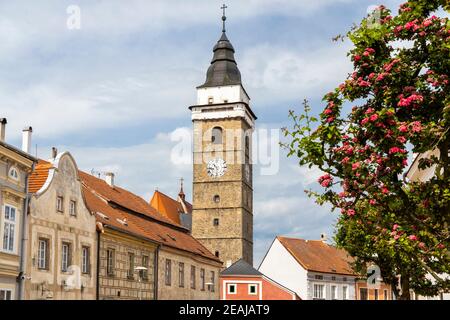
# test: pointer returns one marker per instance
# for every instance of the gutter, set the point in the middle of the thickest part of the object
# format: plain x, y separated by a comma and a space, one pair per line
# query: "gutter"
97, 276
23, 244
155, 272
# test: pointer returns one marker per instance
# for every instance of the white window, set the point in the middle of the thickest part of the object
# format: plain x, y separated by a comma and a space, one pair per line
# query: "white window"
5, 294
43, 254
334, 294
65, 257
73, 208
231, 288
9, 229
59, 204
344, 293
319, 291
85, 260
252, 289
13, 173
210, 100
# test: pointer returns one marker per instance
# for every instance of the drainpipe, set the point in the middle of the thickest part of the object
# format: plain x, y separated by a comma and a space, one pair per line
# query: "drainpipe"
23, 244
155, 272
97, 287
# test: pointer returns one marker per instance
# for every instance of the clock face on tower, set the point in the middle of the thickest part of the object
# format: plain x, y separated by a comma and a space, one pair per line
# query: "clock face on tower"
216, 167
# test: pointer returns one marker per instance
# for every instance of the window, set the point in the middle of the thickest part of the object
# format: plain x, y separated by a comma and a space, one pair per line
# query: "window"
59, 204
362, 293
216, 222
110, 261
375, 294
386, 294
5, 294
247, 148
231, 288
210, 100
13, 173
344, 279
318, 277
252, 289
168, 272
213, 281
319, 292
73, 208
193, 277
130, 272
216, 198
9, 229
333, 278
217, 254
344, 293
43, 254
181, 275
85, 260
65, 256
334, 292
145, 265
202, 279
216, 136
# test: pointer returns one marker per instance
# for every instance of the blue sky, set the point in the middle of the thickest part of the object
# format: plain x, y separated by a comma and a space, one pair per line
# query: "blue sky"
114, 91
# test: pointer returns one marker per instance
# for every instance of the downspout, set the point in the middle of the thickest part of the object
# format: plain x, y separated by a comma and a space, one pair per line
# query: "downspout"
97, 280
155, 272
23, 243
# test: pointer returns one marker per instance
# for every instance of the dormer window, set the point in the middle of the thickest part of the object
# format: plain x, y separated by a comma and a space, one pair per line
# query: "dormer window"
210, 100
13, 173
216, 137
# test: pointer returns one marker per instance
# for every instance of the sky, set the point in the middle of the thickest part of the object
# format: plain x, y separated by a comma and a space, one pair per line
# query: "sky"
115, 92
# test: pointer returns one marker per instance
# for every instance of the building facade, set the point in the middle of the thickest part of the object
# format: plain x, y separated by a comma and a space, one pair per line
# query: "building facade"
223, 123
15, 168
312, 269
241, 281
142, 253
364, 292
62, 237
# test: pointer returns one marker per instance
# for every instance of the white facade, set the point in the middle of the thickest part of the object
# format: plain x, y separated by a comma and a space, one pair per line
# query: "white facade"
225, 94
281, 266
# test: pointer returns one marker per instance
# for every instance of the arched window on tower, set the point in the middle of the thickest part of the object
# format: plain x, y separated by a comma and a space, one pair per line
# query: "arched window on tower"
216, 136
247, 149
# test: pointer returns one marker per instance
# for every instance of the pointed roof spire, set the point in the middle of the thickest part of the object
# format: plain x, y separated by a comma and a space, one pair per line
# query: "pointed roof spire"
181, 193
223, 70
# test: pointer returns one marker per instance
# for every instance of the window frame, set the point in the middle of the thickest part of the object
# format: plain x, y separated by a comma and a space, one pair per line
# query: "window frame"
203, 279
213, 281
181, 274
145, 263
322, 295
66, 258
60, 200
110, 262
10, 246
386, 296
85, 260
334, 293
366, 293
15, 177
193, 277
130, 263
73, 211
231, 285
217, 135
168, 272
345, 292
46, 255
252, 285
376, 294
5, 291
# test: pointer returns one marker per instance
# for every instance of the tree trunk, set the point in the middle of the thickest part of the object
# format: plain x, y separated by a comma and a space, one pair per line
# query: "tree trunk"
405, 288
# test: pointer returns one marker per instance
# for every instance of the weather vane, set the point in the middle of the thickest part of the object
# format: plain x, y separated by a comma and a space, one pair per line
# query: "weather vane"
223, 7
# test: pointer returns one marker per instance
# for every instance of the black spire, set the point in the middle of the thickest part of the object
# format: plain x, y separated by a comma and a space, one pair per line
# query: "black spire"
223, 70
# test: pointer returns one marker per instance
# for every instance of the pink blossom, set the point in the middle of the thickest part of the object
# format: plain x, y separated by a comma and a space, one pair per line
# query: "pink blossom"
373, 117
357, 58
369, 111
404, 162
330, 119
412, 237
401, 139
396, 150
427, 22
384, 190
395, 227
416, 126
396, 237
373, 202
441, 246
403, 128
364, 121
355, 166
345, 160
342, 194
351, 212
328, 111
421, 245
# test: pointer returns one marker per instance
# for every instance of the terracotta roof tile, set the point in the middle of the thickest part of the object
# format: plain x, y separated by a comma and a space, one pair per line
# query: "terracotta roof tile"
169, 207
315, 255
143, 222
39, 176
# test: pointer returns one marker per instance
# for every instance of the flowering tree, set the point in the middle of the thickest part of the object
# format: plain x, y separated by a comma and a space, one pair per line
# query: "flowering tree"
401, 87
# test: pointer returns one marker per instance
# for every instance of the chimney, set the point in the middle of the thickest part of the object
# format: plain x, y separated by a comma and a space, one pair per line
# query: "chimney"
54, 152
3, 123
109, 178
323, 237
26, 139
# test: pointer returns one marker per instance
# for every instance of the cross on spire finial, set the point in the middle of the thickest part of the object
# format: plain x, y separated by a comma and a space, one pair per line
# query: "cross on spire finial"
223, 7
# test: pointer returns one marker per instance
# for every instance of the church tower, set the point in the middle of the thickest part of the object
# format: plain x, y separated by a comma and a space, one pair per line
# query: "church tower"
223, 123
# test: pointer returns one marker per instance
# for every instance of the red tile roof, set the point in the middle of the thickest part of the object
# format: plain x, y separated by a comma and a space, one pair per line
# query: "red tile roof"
115, 206
39, 176
315, 255
169, 207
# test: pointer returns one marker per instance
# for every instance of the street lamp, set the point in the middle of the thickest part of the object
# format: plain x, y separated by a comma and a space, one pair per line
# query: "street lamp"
140, 271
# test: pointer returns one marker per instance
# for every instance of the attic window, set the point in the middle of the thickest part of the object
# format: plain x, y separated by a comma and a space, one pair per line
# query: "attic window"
162, 238
103, 216
13, 173
171, 237
210, 100
124, 221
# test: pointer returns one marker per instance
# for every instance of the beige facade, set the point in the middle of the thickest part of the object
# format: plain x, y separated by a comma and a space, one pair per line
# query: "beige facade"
120, 255
62, 242
185, 276
15, 166
223, 206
